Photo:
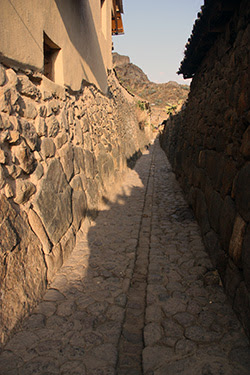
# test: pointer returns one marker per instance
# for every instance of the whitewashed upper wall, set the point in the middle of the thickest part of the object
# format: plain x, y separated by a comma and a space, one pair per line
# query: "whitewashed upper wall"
81, 28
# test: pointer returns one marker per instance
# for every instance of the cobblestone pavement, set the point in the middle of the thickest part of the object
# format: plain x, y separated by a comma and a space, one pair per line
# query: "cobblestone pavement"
137, 296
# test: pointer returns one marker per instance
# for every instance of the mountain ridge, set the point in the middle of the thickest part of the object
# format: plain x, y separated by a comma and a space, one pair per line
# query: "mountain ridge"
161, 96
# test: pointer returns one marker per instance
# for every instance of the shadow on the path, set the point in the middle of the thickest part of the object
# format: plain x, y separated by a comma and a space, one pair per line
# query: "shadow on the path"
76, 328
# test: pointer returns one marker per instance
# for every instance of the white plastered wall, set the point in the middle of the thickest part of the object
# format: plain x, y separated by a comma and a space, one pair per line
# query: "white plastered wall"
80, 28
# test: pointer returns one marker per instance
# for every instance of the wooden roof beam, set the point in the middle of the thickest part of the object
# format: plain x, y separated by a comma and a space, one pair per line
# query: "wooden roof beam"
117, 25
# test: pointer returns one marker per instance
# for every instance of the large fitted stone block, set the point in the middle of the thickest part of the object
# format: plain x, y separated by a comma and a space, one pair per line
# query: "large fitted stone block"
53, 202
67, 160
22, 268
79, 201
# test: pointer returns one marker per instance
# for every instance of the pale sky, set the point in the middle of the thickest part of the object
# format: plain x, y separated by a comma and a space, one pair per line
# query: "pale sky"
156, 32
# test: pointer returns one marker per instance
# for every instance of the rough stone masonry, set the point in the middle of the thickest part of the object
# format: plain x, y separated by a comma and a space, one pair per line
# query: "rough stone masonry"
208, 144
138, 295
59, 152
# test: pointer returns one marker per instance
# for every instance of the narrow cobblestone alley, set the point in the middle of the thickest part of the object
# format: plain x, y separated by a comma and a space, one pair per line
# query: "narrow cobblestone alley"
137, 296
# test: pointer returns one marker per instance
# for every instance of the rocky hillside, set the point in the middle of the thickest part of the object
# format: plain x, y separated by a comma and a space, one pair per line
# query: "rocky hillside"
161, 96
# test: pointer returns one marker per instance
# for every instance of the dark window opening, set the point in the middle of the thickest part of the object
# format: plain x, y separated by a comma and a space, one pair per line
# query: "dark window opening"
50, 50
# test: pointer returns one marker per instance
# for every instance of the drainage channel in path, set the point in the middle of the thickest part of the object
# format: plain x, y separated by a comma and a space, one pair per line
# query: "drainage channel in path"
131, 343
138, 295
76, 328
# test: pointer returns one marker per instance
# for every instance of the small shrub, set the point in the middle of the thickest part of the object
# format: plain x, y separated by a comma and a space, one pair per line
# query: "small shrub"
141, 114
141, 105
171, 109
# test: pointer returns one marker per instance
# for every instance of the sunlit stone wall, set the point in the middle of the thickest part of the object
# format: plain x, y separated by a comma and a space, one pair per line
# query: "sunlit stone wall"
60, 153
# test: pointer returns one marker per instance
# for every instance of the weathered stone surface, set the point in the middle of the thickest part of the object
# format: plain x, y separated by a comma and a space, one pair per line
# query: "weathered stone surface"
47, 148
9, 99
245, 146
24, 190
26, 251
246, 257
87, 139
242, 305
5, 101
5, 121
79, 202
27, 88
2, 178
84, 124
215, 210
242, 192
53, 126
154, 357
25, 158
2, 75
90, 164
53, 107
212, 132
63, 121
39, 230
201, 211
42, 111
2, 157
50, 88
53, 295
227, 178
152, 334
8, 191
27, 108
70, 116
14, 170
4, 136
14, 123
9, 361
105, 165
67, 243
61, 139
227, 217
11, 76
235, 247
28, 131
53, 202
37, 156
79, 164
232, 279
78, 132
67, 160
38, 172
40, 126
91, 189
8, 236
54, 261
13, 136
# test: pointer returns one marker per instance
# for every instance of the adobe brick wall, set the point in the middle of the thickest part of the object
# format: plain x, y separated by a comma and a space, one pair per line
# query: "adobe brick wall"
208, 145
60, 153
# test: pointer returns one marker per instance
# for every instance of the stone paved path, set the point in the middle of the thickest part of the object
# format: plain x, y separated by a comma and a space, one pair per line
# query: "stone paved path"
138, 295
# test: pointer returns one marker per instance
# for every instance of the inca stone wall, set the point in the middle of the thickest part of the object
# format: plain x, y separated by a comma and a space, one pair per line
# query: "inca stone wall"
208, 145
60, 152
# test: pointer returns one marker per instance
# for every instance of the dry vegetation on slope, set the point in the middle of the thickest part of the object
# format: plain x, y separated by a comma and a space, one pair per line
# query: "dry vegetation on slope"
161, 96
